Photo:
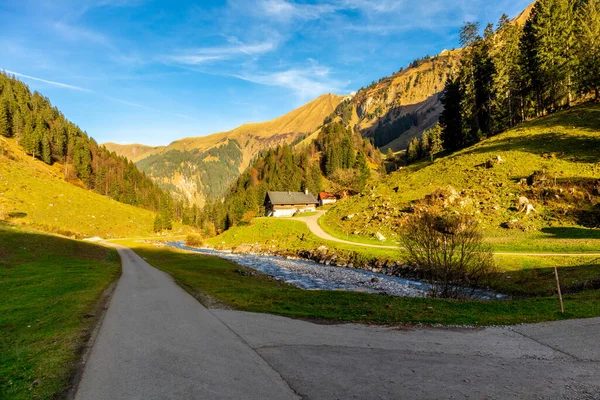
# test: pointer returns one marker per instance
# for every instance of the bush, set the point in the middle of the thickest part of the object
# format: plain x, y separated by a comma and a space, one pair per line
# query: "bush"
248, 217
448, 249
194, 241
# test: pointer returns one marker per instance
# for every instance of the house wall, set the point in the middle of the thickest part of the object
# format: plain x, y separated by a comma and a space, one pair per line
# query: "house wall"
327, 201
289, 211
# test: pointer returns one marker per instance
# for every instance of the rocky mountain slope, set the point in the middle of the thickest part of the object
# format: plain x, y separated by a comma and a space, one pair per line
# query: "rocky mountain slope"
204, 167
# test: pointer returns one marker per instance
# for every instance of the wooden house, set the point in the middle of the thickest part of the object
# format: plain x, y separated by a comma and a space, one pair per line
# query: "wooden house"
286, 204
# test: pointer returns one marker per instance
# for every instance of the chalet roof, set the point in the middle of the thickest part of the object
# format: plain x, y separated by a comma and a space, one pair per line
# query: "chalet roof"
291, 198
327, 196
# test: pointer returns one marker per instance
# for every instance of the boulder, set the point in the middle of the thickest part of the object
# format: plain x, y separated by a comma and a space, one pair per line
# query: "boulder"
380, 237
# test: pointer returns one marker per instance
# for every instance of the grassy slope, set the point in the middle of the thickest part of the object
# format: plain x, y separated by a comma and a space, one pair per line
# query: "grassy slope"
35, 194
221, 280
571, 138
50, 286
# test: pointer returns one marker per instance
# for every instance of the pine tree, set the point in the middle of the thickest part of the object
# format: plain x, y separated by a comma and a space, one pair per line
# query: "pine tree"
588, 47
451, 117
553, 34
364, 172
506, 79
46, 150
6, 128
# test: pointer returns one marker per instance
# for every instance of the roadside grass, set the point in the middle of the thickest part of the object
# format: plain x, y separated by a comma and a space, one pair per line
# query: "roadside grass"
50, 287
223, 281
36, 195
566, 146
287, 234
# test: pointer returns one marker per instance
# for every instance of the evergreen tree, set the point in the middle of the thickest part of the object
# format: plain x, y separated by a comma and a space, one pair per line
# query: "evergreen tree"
6, 128
588, 47
506, 79
451, 117
364, 172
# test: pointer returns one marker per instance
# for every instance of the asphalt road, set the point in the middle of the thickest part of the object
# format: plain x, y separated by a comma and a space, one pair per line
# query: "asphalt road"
157, 342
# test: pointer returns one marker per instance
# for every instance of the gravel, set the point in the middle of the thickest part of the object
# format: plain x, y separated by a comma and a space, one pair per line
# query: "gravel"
313, 276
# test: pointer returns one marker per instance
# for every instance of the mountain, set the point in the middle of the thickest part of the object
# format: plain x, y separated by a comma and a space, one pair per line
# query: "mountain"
401, 107
398, 108
205, 167
133, 152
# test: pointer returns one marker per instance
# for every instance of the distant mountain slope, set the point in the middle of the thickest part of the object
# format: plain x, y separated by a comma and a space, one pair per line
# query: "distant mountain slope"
202, 167
401, 107
35, 194
133, 152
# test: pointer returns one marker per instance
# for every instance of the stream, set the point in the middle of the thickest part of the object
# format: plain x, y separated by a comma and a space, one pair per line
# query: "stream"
310, 275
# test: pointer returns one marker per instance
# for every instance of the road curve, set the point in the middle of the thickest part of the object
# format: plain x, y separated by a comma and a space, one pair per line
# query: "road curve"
157, 342
315, 228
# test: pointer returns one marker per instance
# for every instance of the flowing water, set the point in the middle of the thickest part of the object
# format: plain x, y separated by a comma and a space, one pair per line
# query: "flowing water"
310, 275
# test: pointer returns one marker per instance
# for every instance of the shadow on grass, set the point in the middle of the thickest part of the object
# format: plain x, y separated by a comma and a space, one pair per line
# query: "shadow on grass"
540, 282
573, 233
578, 148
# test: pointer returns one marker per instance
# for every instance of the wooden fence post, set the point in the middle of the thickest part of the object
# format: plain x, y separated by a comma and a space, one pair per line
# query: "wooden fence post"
562, 307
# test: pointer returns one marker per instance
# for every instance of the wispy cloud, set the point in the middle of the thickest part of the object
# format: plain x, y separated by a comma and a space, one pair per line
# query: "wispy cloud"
81, 89
286, 10
209, 54
80, 34
54, 83
305, 82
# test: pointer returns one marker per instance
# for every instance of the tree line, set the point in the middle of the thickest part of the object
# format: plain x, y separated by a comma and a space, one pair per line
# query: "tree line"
514, 73
44, 133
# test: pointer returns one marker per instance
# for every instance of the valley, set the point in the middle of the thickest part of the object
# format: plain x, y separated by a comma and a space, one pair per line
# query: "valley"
433, 234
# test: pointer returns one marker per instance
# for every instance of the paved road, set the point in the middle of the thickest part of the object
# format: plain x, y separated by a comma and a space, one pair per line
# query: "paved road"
544, 361
315, 228
157, 342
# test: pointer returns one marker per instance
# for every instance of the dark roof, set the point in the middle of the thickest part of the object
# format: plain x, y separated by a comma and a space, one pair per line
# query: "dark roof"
291, 198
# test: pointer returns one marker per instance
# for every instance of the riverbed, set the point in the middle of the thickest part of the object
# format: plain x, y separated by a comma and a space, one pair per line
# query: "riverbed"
310, 275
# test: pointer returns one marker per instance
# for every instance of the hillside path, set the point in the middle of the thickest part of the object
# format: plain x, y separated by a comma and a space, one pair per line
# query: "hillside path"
315, 228
157, 342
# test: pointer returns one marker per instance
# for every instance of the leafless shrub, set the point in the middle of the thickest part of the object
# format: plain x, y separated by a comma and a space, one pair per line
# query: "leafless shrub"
448, 249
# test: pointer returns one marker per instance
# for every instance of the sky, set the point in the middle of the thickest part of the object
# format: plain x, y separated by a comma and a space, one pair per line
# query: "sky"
154, 71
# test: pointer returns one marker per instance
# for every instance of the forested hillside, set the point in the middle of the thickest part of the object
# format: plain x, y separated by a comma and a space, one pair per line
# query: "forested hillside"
512, 74
199, 168
339, 159
43, 132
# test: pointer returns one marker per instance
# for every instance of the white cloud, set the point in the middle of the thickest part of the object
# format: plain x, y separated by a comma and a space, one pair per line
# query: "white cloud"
79, 34
285, 10
59, 84
307, 83
209, 54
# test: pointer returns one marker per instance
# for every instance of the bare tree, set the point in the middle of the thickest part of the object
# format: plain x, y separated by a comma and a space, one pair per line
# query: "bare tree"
449, 250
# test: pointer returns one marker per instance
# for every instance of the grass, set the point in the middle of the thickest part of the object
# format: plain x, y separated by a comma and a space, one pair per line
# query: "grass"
221, 280
287, 235
565, 145
36, 195
50, 287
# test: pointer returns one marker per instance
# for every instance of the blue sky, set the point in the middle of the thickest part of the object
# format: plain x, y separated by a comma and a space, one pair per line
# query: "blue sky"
153, 71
